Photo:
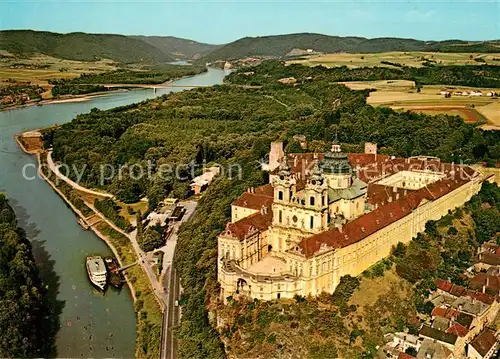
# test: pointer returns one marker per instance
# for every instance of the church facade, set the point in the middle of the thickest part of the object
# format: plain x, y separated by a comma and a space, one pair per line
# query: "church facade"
323, 216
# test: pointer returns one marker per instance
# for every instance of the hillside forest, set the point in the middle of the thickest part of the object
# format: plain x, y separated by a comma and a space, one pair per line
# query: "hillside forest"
27, 322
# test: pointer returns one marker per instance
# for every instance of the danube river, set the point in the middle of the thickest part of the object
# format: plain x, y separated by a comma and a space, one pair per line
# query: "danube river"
92, 325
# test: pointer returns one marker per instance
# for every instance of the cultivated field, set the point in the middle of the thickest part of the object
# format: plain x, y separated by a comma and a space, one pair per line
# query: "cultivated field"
415, 59
402, 95
492, 112
38, 69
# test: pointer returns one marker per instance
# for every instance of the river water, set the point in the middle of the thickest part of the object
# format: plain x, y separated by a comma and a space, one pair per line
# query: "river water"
92, 325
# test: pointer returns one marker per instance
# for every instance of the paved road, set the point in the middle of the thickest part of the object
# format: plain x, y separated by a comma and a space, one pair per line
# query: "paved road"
55, 169
171, 315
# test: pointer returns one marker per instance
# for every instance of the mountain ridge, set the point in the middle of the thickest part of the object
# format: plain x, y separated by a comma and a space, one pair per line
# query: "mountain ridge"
81, 46
179, 48
156, 49
280, 45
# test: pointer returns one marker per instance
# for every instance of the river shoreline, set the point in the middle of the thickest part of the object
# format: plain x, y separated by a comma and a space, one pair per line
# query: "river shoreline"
92, 95
75, 210
66, 243
69, 99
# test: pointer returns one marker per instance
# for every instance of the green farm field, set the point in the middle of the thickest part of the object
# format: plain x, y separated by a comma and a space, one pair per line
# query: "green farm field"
414, 59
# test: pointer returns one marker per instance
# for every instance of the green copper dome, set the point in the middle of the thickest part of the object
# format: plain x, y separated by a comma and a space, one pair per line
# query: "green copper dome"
335, 161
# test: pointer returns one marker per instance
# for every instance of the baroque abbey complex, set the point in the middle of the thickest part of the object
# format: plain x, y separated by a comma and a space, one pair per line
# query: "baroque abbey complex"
324, 216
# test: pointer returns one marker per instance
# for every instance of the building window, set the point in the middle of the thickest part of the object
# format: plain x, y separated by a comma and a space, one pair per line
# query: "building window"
280, 195
322, 200
311, 201
280, 217
312, 222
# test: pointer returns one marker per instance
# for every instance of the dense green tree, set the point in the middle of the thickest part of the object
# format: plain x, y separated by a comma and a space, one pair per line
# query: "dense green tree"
24, 313
152, 240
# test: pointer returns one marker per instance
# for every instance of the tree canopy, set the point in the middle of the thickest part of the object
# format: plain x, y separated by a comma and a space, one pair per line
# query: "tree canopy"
24, 330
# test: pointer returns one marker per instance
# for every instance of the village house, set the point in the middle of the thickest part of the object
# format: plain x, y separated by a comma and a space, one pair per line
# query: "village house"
200, 183
398, 343
483, 346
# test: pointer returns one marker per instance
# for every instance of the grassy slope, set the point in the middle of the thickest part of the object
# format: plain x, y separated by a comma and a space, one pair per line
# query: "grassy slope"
280, 45
81, 46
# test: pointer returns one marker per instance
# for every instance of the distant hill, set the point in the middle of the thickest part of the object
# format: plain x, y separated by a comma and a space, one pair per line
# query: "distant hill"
178, 48
81, 46
280, 45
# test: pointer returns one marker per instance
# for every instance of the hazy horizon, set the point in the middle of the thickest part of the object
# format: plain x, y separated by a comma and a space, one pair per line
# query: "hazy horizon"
224, 22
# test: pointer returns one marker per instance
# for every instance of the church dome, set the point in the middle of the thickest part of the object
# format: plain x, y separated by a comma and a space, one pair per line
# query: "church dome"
336, 161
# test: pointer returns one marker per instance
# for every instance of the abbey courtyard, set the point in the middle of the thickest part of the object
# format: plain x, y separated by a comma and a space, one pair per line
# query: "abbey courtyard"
326, 215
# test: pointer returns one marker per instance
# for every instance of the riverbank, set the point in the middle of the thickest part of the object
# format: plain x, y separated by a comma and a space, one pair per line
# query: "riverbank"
65, 99
148, 311
74, 209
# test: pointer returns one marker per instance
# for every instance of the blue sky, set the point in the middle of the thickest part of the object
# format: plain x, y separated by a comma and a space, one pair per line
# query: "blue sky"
225, 21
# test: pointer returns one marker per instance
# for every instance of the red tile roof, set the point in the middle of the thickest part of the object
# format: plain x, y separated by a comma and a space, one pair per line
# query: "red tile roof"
445, 313
365, 159
458, 329
484, 341
444, 285
491, 282
258, 221
459, 291
262, 196
374, 221
379, 195
482, 297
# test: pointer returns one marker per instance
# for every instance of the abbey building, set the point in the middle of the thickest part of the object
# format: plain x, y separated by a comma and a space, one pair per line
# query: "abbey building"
323, 216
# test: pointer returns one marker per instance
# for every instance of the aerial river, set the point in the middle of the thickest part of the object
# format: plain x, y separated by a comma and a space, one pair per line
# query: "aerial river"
92, 325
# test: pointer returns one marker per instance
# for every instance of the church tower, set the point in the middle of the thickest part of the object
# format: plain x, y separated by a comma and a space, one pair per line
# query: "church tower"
316, 196
283, 185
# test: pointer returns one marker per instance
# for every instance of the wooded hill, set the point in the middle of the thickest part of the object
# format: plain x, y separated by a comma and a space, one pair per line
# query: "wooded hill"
81, 46
280, 45
155, 49
177, 48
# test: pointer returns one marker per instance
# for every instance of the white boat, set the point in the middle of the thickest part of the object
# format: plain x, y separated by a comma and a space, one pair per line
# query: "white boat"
97, 271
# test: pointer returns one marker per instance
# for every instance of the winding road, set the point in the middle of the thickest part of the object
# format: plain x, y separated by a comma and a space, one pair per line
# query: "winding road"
167, 289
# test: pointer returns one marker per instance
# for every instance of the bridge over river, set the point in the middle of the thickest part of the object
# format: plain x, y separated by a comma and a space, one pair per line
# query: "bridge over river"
157, 86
